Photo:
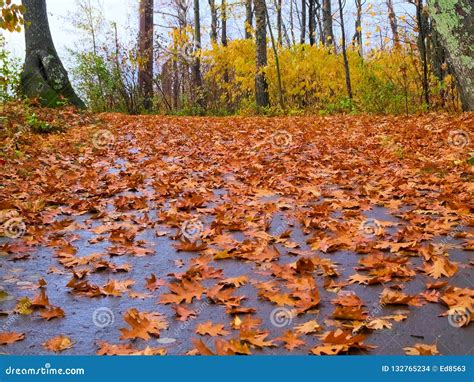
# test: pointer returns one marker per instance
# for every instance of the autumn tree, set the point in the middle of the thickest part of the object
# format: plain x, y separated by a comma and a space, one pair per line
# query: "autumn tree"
422, 26
213, 9
224, 34
344, 51
145, 48
196, 66
328, 34
454, 25
248, 19
392, 17
43, 74
224, 22
261, 85
11, 16
357, 39
279, 5
303, 22
312, 22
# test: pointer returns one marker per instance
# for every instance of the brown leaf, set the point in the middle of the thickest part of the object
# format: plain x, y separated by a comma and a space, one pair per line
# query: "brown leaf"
7, 338
213, 330
291, 340
183, 313
421, 349
308, 327
143, 324
58, 344
52, 312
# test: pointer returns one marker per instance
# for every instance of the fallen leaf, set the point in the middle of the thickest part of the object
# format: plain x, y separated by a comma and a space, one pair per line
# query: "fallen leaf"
58, 344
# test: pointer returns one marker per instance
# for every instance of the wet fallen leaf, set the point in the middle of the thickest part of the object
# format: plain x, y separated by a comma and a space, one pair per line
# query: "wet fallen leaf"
210, 329
421, 349
143, 324
58, 344
7, 338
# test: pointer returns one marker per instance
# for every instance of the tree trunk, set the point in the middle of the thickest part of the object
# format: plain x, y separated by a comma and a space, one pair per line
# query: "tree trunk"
422, 22
196, 67
224, 22
212, 6
43, 73
454, 24
224, 35
328, 38
344, 52
357, 39
318, 20
393, 23
292, 25
312, 22
145, 48
261, 85
277, 64
303, 21
248, 19
279, 22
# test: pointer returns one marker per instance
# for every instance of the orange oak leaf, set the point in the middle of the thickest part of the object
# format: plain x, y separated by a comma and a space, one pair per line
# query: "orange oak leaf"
52, 312
210, 329
183, 313
58, 344
308, 327
143, 324
421, 349
291, 340
7, 338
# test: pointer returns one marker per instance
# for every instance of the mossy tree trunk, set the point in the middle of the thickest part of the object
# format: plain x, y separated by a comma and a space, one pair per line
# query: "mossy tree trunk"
44, 76
454, 24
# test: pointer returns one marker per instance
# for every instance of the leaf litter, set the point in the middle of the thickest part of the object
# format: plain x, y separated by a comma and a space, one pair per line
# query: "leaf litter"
220, 233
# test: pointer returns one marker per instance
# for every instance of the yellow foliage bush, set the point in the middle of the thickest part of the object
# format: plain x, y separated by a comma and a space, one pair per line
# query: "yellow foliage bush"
387, 81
